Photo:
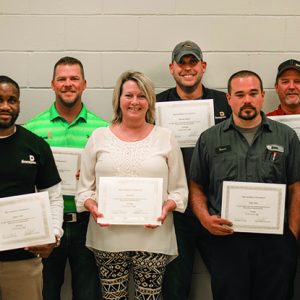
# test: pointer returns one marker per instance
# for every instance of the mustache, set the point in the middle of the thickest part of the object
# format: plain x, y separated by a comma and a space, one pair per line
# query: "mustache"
247, 105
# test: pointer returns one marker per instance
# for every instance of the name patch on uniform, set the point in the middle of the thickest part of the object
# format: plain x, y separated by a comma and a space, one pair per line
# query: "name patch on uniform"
222, 149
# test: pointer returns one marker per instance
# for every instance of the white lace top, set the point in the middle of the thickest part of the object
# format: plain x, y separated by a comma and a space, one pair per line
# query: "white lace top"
158, 155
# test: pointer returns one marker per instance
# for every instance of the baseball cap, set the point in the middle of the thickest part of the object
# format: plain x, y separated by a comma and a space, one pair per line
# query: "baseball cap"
185, 48
288, 64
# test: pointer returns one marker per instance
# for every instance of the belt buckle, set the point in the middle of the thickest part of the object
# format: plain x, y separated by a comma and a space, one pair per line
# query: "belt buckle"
73, 217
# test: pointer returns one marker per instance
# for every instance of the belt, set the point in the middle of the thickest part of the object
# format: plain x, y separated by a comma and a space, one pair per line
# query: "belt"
75, 217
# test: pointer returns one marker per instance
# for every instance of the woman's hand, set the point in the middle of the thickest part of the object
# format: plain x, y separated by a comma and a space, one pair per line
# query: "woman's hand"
168, 206
92, 207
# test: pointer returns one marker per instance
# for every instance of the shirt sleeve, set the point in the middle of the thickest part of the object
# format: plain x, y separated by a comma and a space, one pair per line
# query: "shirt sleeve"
177, 182
87, 179
56, 206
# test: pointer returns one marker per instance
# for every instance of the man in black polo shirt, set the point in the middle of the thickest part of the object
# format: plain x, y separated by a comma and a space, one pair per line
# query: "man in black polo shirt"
187, 68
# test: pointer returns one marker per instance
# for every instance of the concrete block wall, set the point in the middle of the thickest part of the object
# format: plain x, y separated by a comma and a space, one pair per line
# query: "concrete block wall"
111, 36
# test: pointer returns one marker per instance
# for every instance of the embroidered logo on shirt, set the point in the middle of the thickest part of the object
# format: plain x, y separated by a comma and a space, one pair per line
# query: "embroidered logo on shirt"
30, 161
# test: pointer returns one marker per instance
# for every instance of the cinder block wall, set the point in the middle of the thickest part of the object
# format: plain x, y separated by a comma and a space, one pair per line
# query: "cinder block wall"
111, 36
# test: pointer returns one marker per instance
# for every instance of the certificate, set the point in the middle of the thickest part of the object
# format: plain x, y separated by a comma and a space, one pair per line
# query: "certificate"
187, 119
291, 120
68, 163
254, 207
25, 221
130, 200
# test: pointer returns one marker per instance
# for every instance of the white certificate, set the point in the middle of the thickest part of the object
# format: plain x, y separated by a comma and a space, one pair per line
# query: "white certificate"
187, 119
291, 120
68, 163
130, 200
254, 207
25, 221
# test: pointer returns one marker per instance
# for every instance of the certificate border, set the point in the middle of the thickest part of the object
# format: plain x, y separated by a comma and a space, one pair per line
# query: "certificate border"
280, 189
40, 200
68, 151
102, 193
196, 103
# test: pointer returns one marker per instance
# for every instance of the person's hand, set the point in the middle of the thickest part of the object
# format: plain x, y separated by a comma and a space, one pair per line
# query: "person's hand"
168, 206
42, 251
77, 174
92, 207
216, 225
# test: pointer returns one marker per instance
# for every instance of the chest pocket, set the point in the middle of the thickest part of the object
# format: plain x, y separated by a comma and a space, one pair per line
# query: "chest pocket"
224, 167
273, 167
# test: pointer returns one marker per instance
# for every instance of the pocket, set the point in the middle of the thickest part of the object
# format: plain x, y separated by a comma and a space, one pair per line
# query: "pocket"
273, 167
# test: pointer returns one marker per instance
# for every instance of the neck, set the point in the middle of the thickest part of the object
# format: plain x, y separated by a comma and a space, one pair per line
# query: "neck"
69, 113
288, 110
190, 93
8, 131
247, 123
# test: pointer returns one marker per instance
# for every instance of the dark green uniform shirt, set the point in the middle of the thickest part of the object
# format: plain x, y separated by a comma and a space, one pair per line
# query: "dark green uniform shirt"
222, 153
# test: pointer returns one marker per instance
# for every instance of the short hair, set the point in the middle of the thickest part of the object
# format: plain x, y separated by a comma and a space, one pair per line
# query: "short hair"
8, 80
146, 86
243, 73
68, 60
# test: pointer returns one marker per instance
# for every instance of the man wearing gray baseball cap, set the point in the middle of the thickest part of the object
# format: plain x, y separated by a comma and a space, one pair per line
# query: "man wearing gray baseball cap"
187, 68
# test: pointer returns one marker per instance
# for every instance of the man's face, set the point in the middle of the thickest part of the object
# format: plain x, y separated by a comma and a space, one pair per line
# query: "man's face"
68, 85
188, 72
246, 98
9, 105
288, 88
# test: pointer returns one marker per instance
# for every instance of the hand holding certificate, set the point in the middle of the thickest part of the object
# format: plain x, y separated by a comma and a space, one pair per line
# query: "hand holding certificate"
254, 207
130, 200
25, 221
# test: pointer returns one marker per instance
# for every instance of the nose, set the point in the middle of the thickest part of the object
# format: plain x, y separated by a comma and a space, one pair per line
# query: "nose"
291, 85
4, 105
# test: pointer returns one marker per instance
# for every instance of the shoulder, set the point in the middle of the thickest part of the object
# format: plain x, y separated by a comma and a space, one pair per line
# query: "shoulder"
215, 94
167, 95
92, 117
43, 116
31, 138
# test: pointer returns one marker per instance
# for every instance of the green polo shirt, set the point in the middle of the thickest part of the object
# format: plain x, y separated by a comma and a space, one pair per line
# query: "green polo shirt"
55, 130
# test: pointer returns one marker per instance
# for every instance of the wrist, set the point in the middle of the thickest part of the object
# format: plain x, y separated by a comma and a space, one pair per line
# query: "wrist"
57, 241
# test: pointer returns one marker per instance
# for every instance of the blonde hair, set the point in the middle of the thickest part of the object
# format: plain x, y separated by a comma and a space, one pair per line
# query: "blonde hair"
146, 86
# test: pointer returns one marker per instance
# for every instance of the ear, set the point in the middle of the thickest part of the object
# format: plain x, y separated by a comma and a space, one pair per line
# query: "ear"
52, 84
203, 65
171, 67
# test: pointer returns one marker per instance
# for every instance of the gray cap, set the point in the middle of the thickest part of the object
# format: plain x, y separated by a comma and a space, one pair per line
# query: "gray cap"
186, 48
287, 65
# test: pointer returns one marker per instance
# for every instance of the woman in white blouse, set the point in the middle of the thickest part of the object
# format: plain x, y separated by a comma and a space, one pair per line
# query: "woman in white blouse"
132, 147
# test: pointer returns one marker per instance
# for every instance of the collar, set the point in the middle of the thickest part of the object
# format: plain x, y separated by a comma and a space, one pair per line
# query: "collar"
265, 123
54, 113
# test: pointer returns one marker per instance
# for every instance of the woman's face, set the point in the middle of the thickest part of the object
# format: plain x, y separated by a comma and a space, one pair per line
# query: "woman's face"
133, 102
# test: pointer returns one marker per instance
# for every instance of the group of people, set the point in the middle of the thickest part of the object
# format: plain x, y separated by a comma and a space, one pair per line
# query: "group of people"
250, 266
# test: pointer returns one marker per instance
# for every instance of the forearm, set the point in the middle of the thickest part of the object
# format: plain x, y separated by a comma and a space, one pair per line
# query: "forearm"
57, 207
294, 208
198, 201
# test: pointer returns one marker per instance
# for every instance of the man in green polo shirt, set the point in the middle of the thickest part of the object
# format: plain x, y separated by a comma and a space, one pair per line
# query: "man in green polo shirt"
67, 123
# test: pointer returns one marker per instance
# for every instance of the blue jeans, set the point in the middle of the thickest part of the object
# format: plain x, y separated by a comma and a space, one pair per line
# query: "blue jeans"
85, 279
191, 235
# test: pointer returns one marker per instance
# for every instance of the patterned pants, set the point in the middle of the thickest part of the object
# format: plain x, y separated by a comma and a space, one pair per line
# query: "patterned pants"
115, 267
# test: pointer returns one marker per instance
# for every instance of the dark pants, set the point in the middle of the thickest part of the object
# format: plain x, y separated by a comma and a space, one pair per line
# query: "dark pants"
191, 235
85, 279
253, 266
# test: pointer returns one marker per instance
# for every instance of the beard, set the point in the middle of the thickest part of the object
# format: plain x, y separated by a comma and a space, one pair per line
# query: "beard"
14, 117
70, 102
247, 112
